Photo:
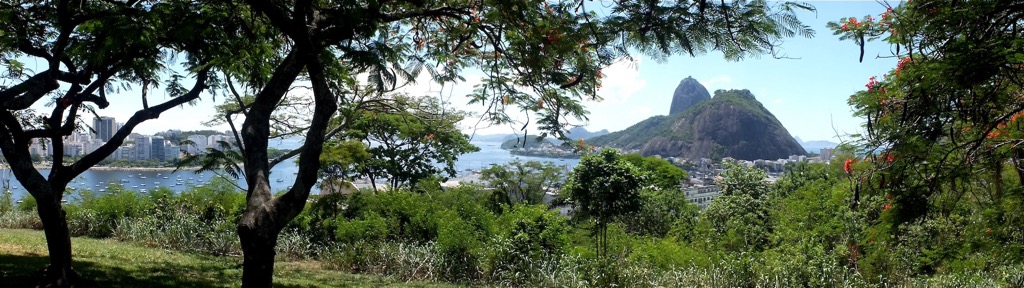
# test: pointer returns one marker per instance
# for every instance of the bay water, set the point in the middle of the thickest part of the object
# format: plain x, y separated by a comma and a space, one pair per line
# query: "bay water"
282, 176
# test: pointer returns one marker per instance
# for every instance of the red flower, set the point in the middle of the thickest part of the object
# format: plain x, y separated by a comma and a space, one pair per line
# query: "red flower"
886, 208
848, 166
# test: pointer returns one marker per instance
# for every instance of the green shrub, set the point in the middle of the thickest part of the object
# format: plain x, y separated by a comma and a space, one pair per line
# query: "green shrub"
27, 204
457, 246
19, 219
371, 227
667, 254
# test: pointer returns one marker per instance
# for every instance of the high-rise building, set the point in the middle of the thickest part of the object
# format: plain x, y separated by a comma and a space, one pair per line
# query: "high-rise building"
171, 152
214, 140
105, 127
143, 147
826, 154
200, 143
157, 152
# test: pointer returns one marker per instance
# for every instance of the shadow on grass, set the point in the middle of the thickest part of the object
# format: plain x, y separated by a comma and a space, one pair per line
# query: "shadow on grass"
17, 271
24, 271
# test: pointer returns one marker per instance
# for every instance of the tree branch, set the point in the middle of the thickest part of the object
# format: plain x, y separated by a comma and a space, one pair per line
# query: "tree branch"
140, 116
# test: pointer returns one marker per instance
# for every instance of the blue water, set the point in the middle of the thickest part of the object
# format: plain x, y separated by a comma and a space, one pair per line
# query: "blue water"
282, 176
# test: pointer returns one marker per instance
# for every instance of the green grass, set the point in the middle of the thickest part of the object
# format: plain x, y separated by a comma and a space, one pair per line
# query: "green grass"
111, 263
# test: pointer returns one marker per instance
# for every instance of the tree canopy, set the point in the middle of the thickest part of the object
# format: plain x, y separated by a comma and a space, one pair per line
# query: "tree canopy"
949, 110
296, 68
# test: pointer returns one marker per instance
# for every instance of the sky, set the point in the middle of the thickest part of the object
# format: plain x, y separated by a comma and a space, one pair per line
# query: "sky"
807, 94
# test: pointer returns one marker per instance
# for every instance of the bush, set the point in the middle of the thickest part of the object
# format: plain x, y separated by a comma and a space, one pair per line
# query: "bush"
20, 219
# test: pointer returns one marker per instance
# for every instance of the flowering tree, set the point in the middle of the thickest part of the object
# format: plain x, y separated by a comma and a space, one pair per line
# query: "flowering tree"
540, 59
950, 109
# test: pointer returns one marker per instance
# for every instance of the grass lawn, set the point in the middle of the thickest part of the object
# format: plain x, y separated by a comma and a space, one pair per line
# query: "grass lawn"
116, 264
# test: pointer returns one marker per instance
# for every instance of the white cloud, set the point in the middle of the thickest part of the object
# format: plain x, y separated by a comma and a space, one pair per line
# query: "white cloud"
621, 81
717, 83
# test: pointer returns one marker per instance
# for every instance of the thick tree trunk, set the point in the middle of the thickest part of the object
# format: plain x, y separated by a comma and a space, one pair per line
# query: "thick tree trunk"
58, 242
258, 245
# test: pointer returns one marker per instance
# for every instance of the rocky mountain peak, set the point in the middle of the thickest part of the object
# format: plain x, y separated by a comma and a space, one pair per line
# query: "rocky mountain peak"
688, 93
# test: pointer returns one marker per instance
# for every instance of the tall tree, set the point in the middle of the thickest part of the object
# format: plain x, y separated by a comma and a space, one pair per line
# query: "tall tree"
417, 139
522, 182
539, 58
90, 49
602, 187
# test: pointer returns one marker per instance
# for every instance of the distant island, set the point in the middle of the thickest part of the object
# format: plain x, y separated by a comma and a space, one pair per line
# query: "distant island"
550, 147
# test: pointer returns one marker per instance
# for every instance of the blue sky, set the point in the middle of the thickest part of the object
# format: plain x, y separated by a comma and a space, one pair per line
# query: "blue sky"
808, 94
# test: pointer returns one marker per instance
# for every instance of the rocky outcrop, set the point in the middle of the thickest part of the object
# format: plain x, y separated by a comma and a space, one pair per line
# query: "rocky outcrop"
732, 124
688, 93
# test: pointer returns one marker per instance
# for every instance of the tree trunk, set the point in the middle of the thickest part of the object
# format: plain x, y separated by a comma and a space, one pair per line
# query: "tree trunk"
58, 242
258, 245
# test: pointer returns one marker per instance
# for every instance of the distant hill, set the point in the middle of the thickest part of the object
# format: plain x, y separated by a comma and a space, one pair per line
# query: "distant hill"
531, 140
731, 124
492, 137
816, 146
582, 133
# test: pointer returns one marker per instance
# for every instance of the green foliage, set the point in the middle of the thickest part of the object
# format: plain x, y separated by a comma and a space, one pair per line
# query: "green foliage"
662, 212
739, 180
340, 159
603, 186
416, 140
525, 235
660, 173
666, 254
28, 203
6, 202
522, 182
735, 223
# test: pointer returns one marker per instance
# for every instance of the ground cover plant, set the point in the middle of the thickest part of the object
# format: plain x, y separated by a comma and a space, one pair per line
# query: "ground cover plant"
803, 230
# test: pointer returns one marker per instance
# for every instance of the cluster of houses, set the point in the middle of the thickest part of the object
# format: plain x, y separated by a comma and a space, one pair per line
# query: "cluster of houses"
700, 189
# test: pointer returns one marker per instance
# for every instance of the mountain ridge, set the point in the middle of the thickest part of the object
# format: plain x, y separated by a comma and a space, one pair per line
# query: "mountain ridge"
730, 124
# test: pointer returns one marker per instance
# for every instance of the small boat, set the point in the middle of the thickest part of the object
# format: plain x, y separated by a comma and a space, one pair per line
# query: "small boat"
143, 190
143, 184
143, 177
135, 186
165, 177
103, 190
